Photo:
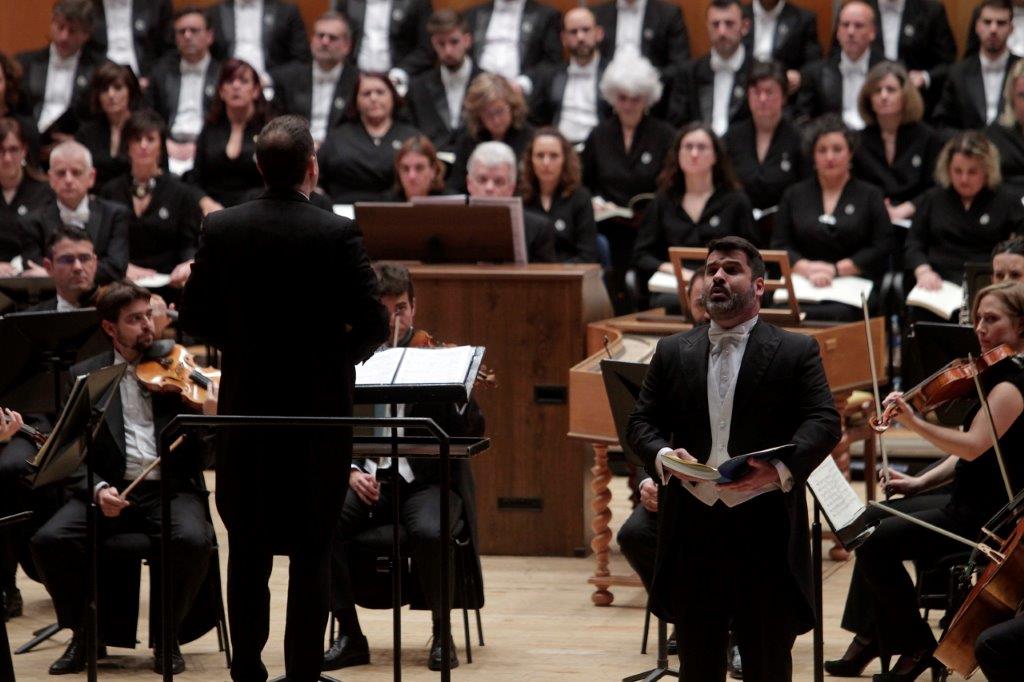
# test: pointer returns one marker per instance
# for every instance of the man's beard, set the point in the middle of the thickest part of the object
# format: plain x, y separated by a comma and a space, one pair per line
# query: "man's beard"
735, 303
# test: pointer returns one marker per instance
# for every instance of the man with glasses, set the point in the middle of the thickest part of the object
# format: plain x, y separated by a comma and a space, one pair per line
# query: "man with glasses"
71, 261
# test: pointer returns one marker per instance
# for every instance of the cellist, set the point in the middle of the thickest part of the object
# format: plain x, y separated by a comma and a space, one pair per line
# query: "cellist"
881, 608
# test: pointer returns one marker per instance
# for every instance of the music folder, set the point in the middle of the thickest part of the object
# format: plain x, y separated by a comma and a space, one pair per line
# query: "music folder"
837, 500
418, 375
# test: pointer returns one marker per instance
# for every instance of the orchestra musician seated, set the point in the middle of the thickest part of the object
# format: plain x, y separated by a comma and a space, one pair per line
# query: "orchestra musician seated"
368, 504
1008, 260
882, 606
123, 448
15, 448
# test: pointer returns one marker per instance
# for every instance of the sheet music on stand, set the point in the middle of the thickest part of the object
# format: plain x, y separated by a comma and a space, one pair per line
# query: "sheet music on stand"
417, 375
837, 500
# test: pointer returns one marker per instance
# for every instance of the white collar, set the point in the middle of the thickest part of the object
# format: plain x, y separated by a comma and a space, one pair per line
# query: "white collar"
891, 5
589, 70
56, 60
997, 63
742, 328
733, 63
64, 303
860, 64
332, 75
201, 66
459, 74
769, 15
638, 6
83, 206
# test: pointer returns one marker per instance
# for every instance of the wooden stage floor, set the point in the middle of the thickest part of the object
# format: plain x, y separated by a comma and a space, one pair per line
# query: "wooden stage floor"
539, 624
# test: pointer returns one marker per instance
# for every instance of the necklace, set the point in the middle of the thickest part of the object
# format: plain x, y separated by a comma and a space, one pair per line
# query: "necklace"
141, 190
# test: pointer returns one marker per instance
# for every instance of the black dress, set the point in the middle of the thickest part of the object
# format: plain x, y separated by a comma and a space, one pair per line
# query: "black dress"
30, 195
575, 229
945, 236
911, 173
228, 181
356, 167
783, 165
516, 138
1010, 143
95, 135
612, 173
167, 232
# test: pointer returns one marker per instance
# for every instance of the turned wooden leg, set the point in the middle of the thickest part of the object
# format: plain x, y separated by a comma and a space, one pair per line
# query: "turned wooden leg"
602, 515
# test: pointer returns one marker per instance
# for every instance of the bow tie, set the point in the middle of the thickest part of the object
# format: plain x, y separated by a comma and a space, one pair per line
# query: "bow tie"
191, 69
78, 217
993, 67
848, 69
323, 79
719, 65
577, 71
724, 338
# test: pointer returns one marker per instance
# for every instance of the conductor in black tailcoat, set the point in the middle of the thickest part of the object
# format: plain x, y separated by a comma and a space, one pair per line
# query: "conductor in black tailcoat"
280, 492
735, 387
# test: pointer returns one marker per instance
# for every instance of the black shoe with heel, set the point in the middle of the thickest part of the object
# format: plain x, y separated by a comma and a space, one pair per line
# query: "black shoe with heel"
909, 667
857, 657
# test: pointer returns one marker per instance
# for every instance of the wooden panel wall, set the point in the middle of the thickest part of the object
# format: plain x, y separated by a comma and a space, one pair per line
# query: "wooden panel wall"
23, 23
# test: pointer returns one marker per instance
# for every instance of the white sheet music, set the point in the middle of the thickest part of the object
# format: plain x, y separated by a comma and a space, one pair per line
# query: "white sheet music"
833, 492
943, 302
380, 368
843, 290
435, 365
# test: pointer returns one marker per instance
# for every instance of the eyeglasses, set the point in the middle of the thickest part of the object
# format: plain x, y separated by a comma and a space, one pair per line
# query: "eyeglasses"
69, 259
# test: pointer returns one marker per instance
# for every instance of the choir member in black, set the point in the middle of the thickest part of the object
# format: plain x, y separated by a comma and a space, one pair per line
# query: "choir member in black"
897, 151
320, 93
494, 111
833, 225
71, 177
70, 261
622, 157
492, 173
357, 160
133, 33
391, 38
551, 187
115, 95
267, 34
532, 41
972, 97
368, 503
55, 87
698, 200
59, 547
964, 217
654, 30
1007, 133
418, 171
784, 32
224, 166
435, 96
833, 84
163, 223
22, 191
766, 150
1008, 260
1016, 41
11, 104
712, 88
892, 623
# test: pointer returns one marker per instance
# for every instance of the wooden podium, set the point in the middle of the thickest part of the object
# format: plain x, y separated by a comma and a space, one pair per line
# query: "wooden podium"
532, 490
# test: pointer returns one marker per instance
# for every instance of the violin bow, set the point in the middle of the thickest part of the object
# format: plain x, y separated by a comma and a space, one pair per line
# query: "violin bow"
145, 472
992, 432
878, 397
992, 554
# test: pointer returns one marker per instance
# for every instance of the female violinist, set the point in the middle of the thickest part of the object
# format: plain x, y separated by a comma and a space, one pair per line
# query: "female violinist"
881, 608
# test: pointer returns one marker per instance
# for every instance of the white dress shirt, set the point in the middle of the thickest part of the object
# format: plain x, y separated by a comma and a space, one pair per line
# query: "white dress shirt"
992, 73
765, 22
1016, 40
78, 216
854, 74
374, 48
455, 84
725, 75
500, 53
324, 83
249, 34
892, 17
60, 86
724, 363
629, 26
370, 466
188, 120
579, 101
139, 431
120, 42
64, 306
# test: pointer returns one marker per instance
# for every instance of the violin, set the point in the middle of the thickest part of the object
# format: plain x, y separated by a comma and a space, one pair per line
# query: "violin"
422, 339
953, 381
34, 435
170, 368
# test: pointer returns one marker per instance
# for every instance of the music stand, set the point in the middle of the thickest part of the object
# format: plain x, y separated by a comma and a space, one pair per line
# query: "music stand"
22, 292
622, 382
66, 449
977, 276
439, 233
931, 345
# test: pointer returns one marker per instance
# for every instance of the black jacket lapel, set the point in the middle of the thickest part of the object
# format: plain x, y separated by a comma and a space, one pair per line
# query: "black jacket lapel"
761, 347
975, 87
439, 97
227, 27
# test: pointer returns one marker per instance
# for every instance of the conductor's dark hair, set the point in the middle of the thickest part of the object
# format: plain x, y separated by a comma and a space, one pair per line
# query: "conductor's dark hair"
283, 149
394, 280
116, 296
726, 244
69, 232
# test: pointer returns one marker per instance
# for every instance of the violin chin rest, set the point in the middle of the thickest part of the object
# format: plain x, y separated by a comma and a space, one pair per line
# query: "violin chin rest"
160, 348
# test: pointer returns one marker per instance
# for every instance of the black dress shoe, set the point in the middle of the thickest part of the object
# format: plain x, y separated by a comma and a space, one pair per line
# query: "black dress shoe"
437, 658
853, 662
735, 663
177, 661
347, 651
671, 645
909, 667
73, 659
13, 604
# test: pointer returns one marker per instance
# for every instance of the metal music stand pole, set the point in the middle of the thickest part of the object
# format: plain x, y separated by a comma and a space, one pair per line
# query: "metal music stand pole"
661, 669
819, 622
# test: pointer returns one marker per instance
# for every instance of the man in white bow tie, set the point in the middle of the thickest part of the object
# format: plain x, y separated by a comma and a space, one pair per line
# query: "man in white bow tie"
738, 386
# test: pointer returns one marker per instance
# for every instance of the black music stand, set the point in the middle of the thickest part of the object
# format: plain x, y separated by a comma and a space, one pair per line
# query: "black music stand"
6, 665
66, 449
22, 292
931, 345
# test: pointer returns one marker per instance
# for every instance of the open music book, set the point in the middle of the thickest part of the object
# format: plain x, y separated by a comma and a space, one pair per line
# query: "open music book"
663, 283
943, 302
842, 290
444, 373
843, 510
730, 470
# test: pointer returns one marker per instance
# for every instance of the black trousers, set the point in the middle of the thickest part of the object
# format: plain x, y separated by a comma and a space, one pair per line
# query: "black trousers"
59, 548
638, 540
14, 497
1000, 651
733, 567
420, 516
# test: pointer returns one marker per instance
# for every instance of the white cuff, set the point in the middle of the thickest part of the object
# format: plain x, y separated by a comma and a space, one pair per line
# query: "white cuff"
640, 485
785, 475
927, 79
659, 467
96, 490
526, 84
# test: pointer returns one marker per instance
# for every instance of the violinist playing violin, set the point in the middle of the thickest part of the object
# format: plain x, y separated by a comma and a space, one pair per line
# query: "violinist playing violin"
882, 608
368, 503
125, 445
